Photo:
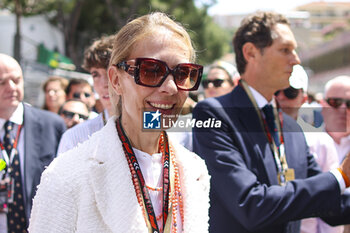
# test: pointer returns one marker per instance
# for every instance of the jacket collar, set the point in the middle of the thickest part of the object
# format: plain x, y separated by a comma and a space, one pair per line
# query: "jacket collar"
250, 120
114, 191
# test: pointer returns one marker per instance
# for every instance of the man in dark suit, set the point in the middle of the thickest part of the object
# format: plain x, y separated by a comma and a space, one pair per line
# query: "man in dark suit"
263, 178
29, 138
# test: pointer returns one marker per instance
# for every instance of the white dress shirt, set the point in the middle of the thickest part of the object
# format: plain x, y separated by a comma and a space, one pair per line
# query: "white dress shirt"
17, 119
343, 148
325, 153
151, 167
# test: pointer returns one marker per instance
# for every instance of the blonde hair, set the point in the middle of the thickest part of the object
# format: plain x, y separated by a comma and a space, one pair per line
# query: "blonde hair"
139, 28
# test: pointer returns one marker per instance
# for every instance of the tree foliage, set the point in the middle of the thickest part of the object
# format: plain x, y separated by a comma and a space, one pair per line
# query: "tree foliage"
81, 21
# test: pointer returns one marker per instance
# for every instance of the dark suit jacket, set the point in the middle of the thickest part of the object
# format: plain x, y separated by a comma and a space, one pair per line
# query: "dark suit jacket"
245, 195
42, 134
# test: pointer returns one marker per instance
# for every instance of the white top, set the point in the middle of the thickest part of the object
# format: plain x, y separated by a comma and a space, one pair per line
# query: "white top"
343, 147
151, 167
322, 148
261, 101
89, 189
80, 133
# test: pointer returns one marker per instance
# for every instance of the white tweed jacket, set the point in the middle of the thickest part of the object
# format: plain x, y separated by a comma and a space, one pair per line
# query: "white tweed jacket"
89, 189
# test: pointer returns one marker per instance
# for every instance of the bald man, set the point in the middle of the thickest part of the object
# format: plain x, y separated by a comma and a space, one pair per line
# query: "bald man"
29, 138
336, 113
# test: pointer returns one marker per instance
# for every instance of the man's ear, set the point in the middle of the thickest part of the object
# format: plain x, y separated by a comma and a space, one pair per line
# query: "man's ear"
114, 80
304, 97
249, 51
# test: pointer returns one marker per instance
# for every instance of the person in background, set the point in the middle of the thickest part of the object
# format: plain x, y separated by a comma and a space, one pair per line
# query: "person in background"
219, 79
311, 110
96, 60
291, 100
73, 112
125, 178
336, 113
263, 178
79, 88
55, 95
29, 138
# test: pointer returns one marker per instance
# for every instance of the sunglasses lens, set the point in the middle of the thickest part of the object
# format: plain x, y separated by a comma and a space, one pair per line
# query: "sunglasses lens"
83, 117
68, 114
186, 75
335, 102
151, 72
291, 93
218, 82
215, 82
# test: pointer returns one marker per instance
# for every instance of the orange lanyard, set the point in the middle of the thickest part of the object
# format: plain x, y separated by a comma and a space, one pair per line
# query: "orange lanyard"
139, 181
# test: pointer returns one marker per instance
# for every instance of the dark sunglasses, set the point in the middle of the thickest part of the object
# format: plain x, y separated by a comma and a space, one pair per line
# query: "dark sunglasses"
215, 82
70, 115
151, 72
290, 92
76, 95
337, 102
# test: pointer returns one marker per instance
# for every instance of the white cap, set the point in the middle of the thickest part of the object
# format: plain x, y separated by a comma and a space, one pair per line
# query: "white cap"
299, 78
230, 69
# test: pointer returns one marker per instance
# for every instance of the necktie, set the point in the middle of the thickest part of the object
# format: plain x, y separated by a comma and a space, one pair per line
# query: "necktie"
270, 120
7, 137
16, 220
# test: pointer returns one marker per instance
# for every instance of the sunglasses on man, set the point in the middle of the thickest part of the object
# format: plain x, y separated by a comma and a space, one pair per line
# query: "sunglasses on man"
151, 72
70, 115
290, 92
215, 82
337, 102
77, 95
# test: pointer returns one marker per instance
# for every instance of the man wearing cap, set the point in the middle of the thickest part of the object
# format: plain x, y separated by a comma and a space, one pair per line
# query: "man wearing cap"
320, 143
221, 79
263, 178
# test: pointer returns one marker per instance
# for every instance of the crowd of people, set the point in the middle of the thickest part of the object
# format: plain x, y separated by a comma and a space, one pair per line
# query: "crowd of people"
89, 165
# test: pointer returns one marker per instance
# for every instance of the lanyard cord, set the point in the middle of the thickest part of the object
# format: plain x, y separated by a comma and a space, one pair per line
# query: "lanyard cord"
8, 159
278, 151
138, 179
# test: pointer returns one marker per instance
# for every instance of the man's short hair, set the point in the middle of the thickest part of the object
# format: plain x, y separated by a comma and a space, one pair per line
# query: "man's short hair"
99, 53
257, 29
60, 111
76, 81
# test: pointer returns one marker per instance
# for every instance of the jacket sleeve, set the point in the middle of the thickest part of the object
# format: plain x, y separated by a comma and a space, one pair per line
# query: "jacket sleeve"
54, 207
239, 189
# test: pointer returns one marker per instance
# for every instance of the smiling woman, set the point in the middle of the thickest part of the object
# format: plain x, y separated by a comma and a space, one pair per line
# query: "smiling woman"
126, 179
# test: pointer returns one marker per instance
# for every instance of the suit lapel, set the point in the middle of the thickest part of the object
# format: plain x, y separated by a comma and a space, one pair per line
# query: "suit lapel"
32, 145
111, 182
250, 121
